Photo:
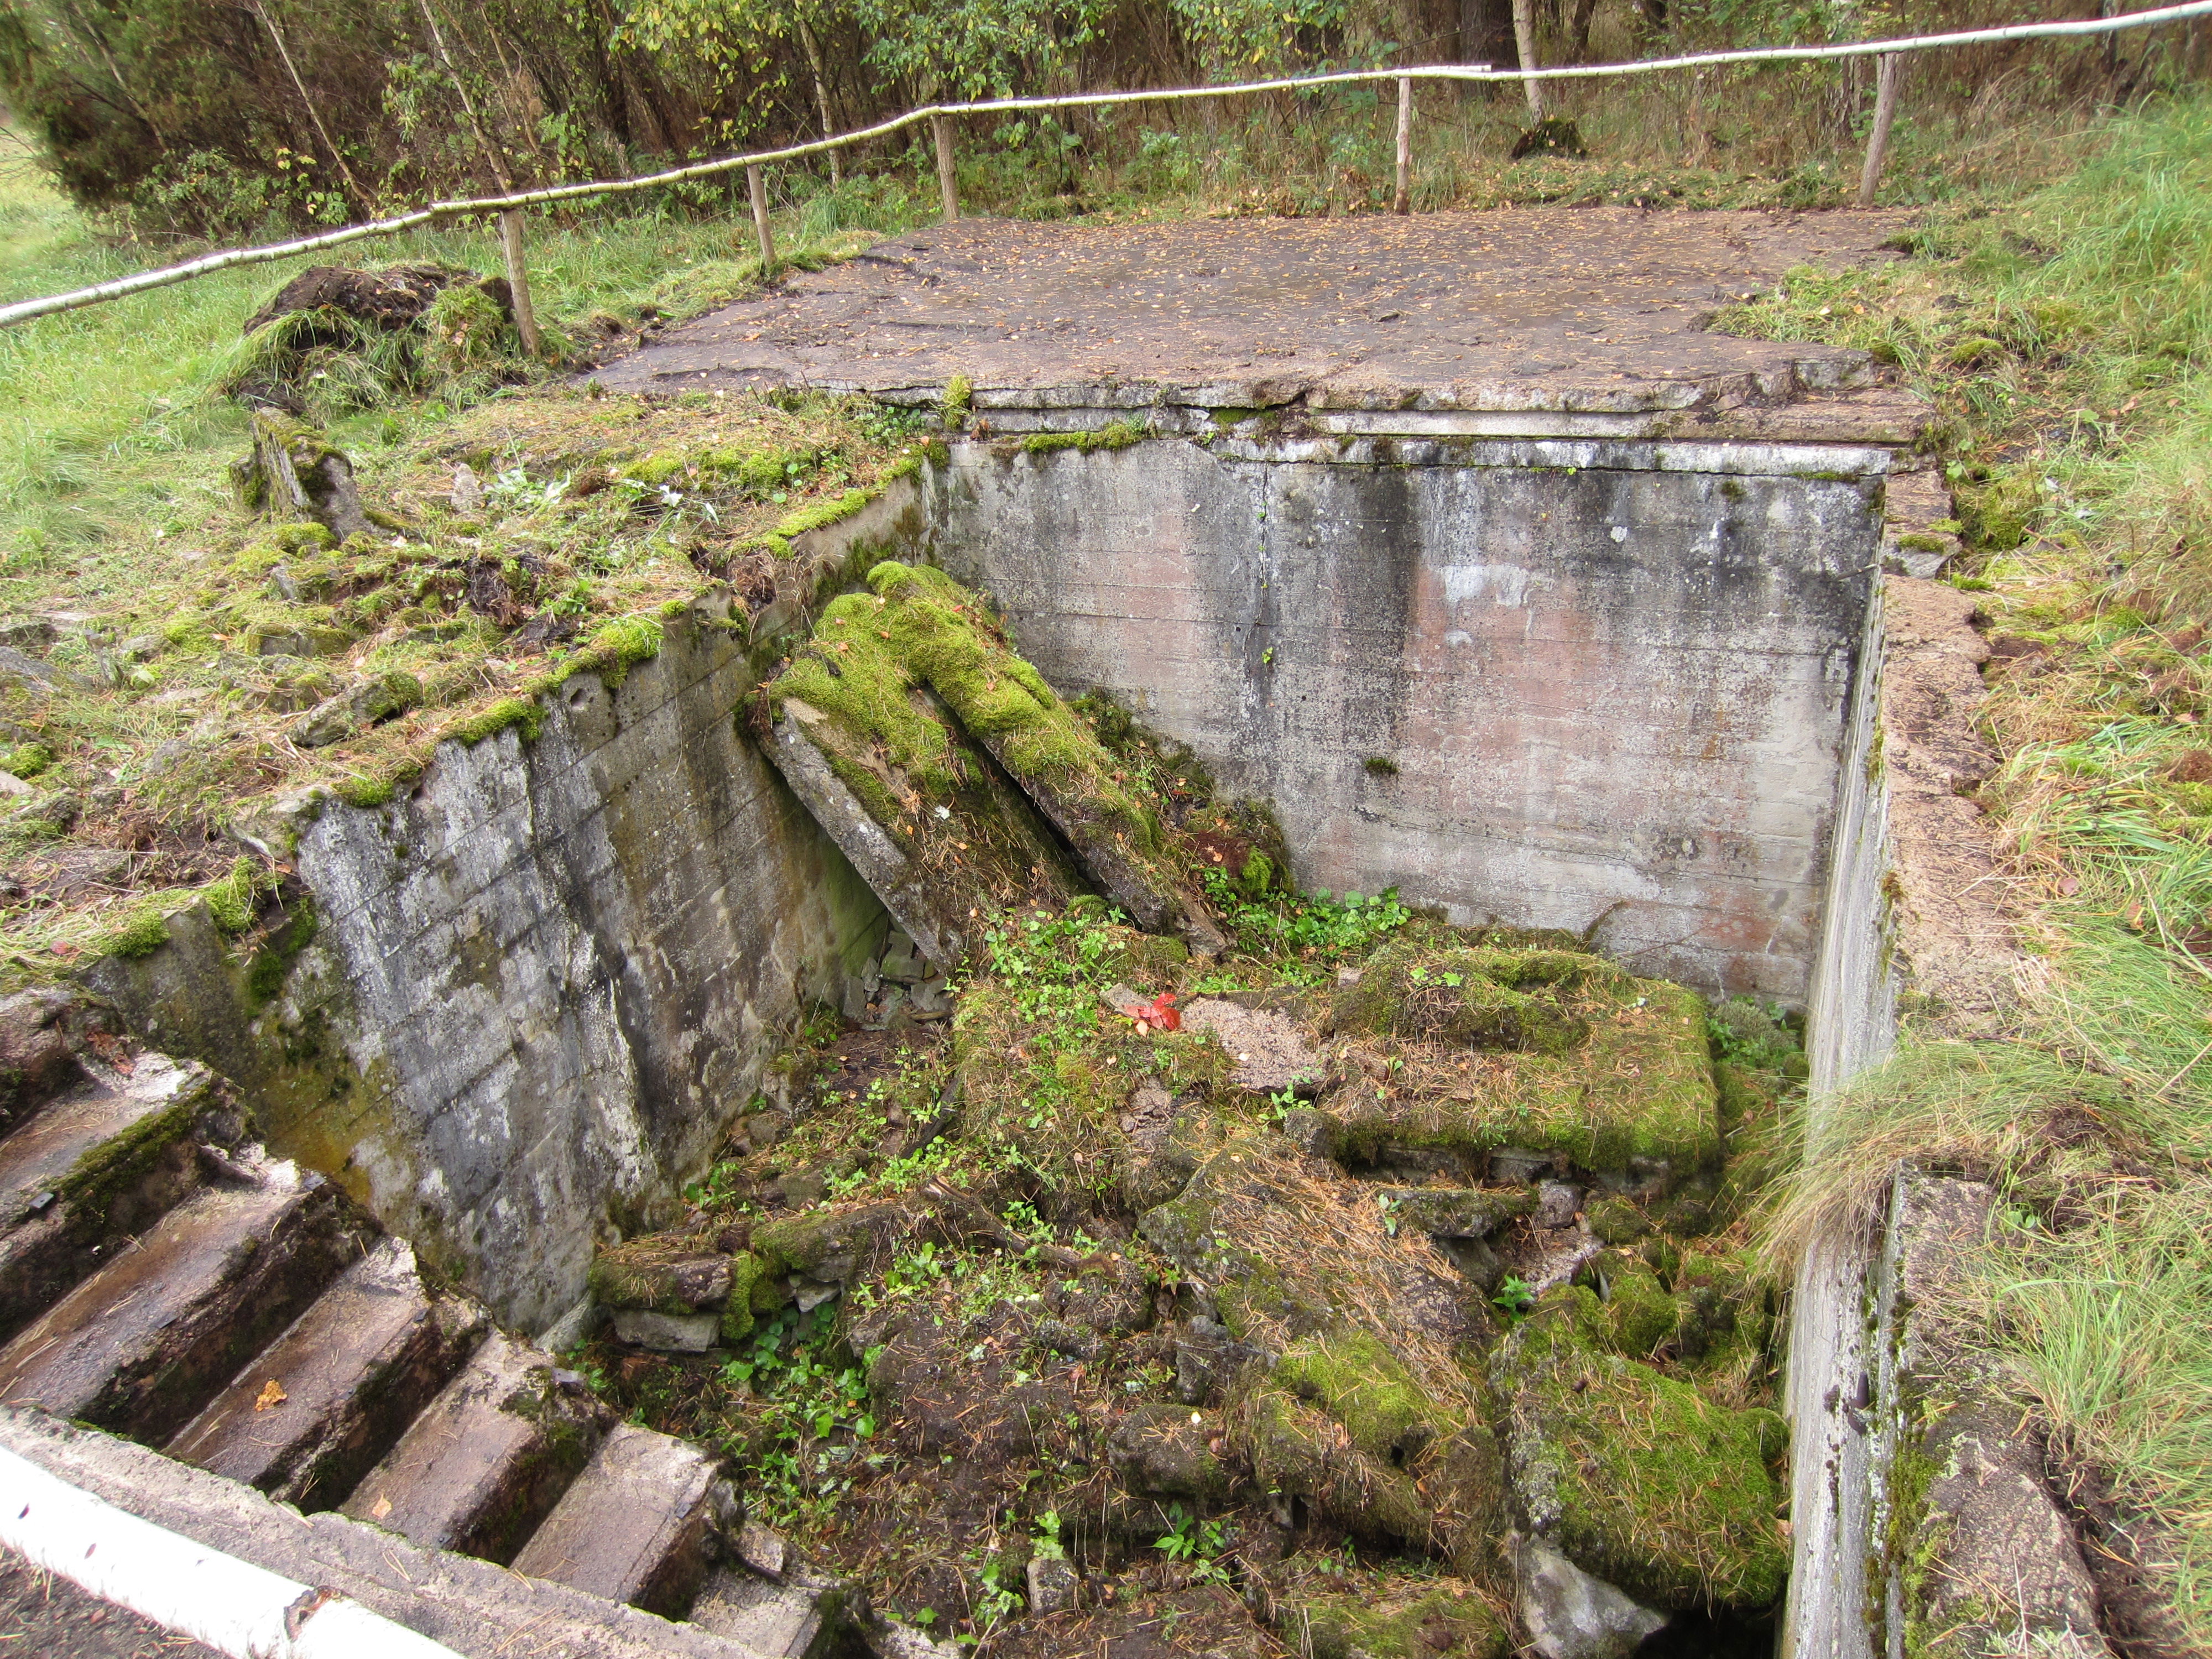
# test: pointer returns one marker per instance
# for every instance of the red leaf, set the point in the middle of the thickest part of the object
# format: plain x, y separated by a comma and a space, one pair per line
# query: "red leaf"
1158, 1015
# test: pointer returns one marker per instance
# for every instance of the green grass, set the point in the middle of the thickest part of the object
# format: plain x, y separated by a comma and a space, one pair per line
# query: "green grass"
2067, 341
111, 416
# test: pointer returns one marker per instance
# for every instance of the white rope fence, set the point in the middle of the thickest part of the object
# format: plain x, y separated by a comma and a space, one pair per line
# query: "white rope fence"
940, 117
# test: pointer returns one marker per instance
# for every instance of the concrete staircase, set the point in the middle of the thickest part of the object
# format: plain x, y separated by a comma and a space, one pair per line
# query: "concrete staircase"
218, 1343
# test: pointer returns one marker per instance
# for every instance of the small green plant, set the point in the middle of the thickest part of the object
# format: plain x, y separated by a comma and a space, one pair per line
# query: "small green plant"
1313, 927
1514, 1296
1046, 1534
1199, 1544
1380, 766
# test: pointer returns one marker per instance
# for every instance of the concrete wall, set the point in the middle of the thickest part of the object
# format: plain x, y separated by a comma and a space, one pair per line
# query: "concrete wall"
1850, 1024
1614, 677
544, 984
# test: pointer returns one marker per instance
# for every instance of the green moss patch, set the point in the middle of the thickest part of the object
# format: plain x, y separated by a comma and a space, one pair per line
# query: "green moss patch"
1611, 1070
1636, 1476
1392, 1615
1479, 996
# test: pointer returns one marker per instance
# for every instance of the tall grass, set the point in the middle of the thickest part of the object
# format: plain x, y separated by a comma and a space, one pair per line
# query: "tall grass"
2067, 339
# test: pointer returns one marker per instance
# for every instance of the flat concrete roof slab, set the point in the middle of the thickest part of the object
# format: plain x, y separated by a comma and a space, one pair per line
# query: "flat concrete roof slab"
1524, 307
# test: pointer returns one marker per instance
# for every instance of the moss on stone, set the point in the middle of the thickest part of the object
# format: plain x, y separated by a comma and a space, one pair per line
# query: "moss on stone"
233, 899
142, 934
1615, 1220
1635, 1476
1639, 1087
1413, 987
522, 713
817, 515
272, 963
613, 651
1639, 1313
1116, 434
105, 1171
739, 1313
664, 1273
1394, 1615
945, 637
1298, 1449
925, 710
1363, 1385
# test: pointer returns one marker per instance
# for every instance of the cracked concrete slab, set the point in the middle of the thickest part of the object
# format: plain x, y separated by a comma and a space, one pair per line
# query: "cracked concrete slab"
1601, 308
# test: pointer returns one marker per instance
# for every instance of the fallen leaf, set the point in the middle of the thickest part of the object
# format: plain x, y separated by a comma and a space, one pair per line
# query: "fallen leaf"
380, 1509
272, 1395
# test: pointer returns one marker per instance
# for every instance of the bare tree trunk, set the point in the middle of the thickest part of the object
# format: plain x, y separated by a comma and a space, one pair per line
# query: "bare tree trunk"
1890, 71
1578, 29
360, 197
1524, 41
1402, 200
510, 222
821, 98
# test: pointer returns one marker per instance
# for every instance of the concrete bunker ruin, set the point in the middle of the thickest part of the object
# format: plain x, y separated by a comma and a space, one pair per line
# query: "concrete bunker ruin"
1595, 654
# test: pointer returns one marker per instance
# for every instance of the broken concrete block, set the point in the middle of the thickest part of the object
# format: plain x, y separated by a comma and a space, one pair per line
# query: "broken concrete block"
641, 1327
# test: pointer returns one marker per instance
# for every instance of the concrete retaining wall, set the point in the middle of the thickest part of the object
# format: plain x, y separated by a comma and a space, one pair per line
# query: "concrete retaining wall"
542, 985
1613, 678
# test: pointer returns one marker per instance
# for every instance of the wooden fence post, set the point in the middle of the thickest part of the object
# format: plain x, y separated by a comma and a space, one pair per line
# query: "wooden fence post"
758, 188
518, 279
947, 185
1889, 70
1403, 201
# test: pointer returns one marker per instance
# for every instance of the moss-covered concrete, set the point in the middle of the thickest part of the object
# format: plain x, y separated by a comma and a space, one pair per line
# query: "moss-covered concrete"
925, 714
540, 984
1635, 1090
1637, 1476
1386, 1615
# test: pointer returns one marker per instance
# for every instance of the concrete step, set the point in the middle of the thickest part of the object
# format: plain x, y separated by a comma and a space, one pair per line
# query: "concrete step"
106, 1156
480, 1468
318, 1407
784, 1621
638, 1526
474, 1608
141, 1345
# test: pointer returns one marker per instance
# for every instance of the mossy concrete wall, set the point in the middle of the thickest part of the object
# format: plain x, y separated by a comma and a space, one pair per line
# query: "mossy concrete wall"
1580, 684
541, 986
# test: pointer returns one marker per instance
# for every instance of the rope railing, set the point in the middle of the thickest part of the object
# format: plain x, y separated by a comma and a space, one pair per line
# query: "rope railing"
940, 117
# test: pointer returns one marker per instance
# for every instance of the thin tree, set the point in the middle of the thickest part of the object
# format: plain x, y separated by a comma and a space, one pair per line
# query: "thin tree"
510, 222
1524, 44
360, 198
